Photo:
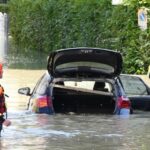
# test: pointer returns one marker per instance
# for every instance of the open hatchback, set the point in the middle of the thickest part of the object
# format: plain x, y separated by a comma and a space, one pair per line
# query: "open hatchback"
82, 80
84, 62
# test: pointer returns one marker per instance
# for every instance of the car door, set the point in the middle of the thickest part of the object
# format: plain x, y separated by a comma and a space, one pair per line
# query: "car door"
41, 101
137, 91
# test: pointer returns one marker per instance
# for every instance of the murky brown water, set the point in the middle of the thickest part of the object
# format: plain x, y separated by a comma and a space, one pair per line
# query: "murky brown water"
67, 132
14, 79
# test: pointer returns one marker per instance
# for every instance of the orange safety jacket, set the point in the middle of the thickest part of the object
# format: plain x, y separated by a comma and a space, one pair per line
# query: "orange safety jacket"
2, 101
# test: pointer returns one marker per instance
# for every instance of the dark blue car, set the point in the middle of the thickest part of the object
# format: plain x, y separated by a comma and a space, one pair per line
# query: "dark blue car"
80, 80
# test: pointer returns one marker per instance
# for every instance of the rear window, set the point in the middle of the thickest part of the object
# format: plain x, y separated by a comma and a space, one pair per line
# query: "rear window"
133, 85
90, 85
102, 67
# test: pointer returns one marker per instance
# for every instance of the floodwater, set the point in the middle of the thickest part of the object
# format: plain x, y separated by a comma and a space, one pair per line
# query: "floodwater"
30, 131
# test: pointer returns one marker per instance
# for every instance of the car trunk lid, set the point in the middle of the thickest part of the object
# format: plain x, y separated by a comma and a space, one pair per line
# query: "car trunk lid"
84, 62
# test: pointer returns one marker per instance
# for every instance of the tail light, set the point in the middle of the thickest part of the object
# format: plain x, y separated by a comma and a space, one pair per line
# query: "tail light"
43, 104
124, 102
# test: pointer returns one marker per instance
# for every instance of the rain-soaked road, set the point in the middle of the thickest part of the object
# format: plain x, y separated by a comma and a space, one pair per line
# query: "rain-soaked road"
67, 132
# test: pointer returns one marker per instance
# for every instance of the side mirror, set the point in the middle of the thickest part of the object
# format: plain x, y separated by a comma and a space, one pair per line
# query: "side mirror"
24, 91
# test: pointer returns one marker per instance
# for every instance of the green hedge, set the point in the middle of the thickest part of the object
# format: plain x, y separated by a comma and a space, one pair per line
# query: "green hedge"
3, 8
49, 25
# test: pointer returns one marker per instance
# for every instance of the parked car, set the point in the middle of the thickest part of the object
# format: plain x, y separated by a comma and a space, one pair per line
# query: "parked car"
148, 73
80, 80
137, 91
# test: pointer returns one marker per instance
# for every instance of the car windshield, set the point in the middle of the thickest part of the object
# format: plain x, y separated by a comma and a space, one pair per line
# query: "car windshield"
133, 85
102, 67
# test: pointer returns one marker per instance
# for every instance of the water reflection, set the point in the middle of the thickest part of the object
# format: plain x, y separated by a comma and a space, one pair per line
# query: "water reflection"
24, 60
67, 132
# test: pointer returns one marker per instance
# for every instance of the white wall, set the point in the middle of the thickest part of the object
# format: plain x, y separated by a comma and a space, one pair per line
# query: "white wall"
117, 2
3, 37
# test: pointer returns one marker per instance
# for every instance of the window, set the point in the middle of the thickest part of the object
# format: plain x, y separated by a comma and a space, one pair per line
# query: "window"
100, 66
133, 85
42, 84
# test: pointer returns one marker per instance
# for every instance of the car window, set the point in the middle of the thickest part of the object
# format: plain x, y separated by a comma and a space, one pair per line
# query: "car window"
42, 85
101, 66
133, 85
88, 85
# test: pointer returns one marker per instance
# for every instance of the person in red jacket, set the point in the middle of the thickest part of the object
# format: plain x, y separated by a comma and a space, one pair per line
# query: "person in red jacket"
2, 101
1, 70
2, 96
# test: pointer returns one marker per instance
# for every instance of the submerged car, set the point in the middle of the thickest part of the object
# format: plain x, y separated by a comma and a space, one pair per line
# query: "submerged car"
80, 80
137, 91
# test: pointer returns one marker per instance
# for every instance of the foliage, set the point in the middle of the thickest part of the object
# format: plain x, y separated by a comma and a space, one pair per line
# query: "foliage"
136, 2
3, 8
49, 25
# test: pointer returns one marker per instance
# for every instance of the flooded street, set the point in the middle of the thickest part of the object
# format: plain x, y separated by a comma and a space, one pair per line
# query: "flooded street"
66, 132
